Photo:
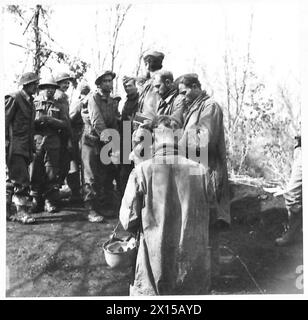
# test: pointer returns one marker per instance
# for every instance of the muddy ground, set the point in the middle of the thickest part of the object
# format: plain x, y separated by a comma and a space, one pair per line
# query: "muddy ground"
62, 254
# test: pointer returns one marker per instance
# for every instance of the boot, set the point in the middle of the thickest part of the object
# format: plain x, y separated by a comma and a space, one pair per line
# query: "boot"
93, 216
22, 215
289, 237
50, 207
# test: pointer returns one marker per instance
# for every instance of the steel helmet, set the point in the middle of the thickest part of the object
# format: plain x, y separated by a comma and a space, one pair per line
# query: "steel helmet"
48, 82
27, 78
103, 74
63, 76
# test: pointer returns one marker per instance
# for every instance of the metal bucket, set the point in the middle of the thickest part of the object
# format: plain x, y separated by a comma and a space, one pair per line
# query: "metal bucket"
117, 255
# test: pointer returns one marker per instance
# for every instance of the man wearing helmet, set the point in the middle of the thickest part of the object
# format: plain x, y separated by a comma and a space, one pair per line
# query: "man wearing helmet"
19, 116
50, 119
102, 116
63, 80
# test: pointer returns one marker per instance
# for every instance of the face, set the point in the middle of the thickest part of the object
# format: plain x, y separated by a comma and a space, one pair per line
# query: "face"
189, 93
106, 84
130, 87
49, 92
64, 85
160, 87
31, 88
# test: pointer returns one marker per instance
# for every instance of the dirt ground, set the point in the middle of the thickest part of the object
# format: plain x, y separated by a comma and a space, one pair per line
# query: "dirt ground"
62, 254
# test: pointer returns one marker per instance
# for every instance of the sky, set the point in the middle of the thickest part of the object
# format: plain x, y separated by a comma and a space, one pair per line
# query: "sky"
190, 33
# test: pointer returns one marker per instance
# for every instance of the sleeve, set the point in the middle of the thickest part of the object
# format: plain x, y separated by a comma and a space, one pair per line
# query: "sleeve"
178, 109
130, 211
10, 109
75, 111
95, 116
211, 122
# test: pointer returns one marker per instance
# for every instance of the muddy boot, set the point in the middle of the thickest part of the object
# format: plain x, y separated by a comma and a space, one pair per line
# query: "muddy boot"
289, 237
93, 216
22, 215
50, 207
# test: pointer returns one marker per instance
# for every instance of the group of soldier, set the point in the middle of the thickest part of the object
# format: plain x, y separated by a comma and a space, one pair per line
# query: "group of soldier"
50, 142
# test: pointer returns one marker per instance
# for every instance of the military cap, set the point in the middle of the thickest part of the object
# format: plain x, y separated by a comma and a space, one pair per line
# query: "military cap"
48, 82
188, 79
63, 76
27, 78
104, 74
155, 54
127, 79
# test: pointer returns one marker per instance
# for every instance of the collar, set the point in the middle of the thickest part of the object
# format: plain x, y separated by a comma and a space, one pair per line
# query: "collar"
102, 95
202, 96
26, 96
133, 96
170, 96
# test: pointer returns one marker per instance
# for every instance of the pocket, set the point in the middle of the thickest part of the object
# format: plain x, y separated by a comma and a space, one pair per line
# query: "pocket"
54, 112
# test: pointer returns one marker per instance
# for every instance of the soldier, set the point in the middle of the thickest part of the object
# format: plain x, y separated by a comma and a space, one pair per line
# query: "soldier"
19, 125
169, 209
204, 129
50, 119
131, 104
128, 112
102, 115
63, 79
76, 109
171, 103
149, 99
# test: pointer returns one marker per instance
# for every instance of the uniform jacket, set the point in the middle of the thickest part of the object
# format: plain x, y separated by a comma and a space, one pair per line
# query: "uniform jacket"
169, 206
103, 114
173, 105
130, 107
149, 99
51, 108
62, 100
205, 114
19, 124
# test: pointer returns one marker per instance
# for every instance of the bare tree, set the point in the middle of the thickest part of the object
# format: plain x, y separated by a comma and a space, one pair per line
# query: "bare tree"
120, 12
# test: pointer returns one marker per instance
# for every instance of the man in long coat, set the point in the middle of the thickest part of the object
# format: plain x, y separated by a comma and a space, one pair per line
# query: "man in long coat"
19, 127
169, 207
204, 133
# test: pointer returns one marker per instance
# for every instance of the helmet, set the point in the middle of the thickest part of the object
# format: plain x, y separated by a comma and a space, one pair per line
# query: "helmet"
27, 78
103, 74
50, 81
63, 76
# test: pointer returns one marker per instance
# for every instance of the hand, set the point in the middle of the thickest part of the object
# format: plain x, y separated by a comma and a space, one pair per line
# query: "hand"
106, 136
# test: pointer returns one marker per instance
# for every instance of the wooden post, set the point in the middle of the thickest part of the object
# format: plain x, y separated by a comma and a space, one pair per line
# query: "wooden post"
37, 55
